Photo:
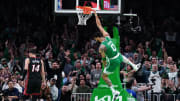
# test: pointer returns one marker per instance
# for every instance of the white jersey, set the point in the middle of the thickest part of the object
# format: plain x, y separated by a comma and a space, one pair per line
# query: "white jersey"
173, 77
157, 78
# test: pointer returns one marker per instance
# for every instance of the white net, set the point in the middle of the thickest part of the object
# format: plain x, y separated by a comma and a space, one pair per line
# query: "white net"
83, 17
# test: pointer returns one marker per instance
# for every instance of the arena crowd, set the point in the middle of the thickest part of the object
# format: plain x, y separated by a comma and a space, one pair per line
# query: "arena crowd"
73, 64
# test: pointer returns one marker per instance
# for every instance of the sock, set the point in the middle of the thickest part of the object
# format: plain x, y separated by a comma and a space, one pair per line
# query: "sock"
112, 89
127, 61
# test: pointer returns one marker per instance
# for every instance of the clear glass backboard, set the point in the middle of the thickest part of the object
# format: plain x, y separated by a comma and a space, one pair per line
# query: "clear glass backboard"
101, 6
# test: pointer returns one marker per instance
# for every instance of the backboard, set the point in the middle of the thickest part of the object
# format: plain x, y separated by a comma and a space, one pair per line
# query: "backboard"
101, 6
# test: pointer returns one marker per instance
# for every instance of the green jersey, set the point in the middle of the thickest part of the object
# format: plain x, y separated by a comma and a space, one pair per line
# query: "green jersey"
111, 49
113, 56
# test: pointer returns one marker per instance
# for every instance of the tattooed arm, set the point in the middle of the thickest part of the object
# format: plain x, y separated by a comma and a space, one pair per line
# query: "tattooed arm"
102, 50
99, 25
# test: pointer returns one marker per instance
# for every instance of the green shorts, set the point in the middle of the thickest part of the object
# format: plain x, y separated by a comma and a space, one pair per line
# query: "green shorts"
112, 63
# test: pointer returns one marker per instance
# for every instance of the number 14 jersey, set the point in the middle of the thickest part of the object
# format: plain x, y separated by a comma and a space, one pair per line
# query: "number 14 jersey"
34, 69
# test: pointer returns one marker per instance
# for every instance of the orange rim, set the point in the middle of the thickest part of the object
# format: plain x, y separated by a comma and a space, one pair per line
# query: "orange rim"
86, 9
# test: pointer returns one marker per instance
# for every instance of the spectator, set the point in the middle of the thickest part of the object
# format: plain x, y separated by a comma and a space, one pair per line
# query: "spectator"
154, 60
129, 85
66, 92
17, 85
146, 68
68, 66
78, 68
167, 63
60, 43
55, 72
127, 73
128, 52
83, 88
154, 77
136, 58
54, 89
88, 80
139, 90
17, 67
96, 74
49, 59
74, 88
173, 74
11, 93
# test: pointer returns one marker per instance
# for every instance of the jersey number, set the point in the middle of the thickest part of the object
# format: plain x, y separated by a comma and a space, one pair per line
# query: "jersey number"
35, 68
113, 47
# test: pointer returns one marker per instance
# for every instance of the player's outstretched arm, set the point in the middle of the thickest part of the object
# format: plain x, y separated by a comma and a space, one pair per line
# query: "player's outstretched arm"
99, 25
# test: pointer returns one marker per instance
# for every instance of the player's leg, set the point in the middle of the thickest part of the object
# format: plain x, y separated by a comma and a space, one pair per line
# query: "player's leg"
106, 73
106, 79
34, 97
127, 61
36, 86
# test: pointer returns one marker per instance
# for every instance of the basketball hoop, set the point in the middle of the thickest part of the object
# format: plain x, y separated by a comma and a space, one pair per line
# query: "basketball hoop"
84, 13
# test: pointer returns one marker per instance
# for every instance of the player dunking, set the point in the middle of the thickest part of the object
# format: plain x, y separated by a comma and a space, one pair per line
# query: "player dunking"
34, 67
111, 57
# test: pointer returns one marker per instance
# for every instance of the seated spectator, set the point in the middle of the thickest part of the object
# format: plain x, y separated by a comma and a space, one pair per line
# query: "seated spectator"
16, 84
54, 89
83, 88
11, 93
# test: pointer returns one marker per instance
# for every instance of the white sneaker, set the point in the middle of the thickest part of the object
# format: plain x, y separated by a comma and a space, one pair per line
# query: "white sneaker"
138, 67
115, 95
